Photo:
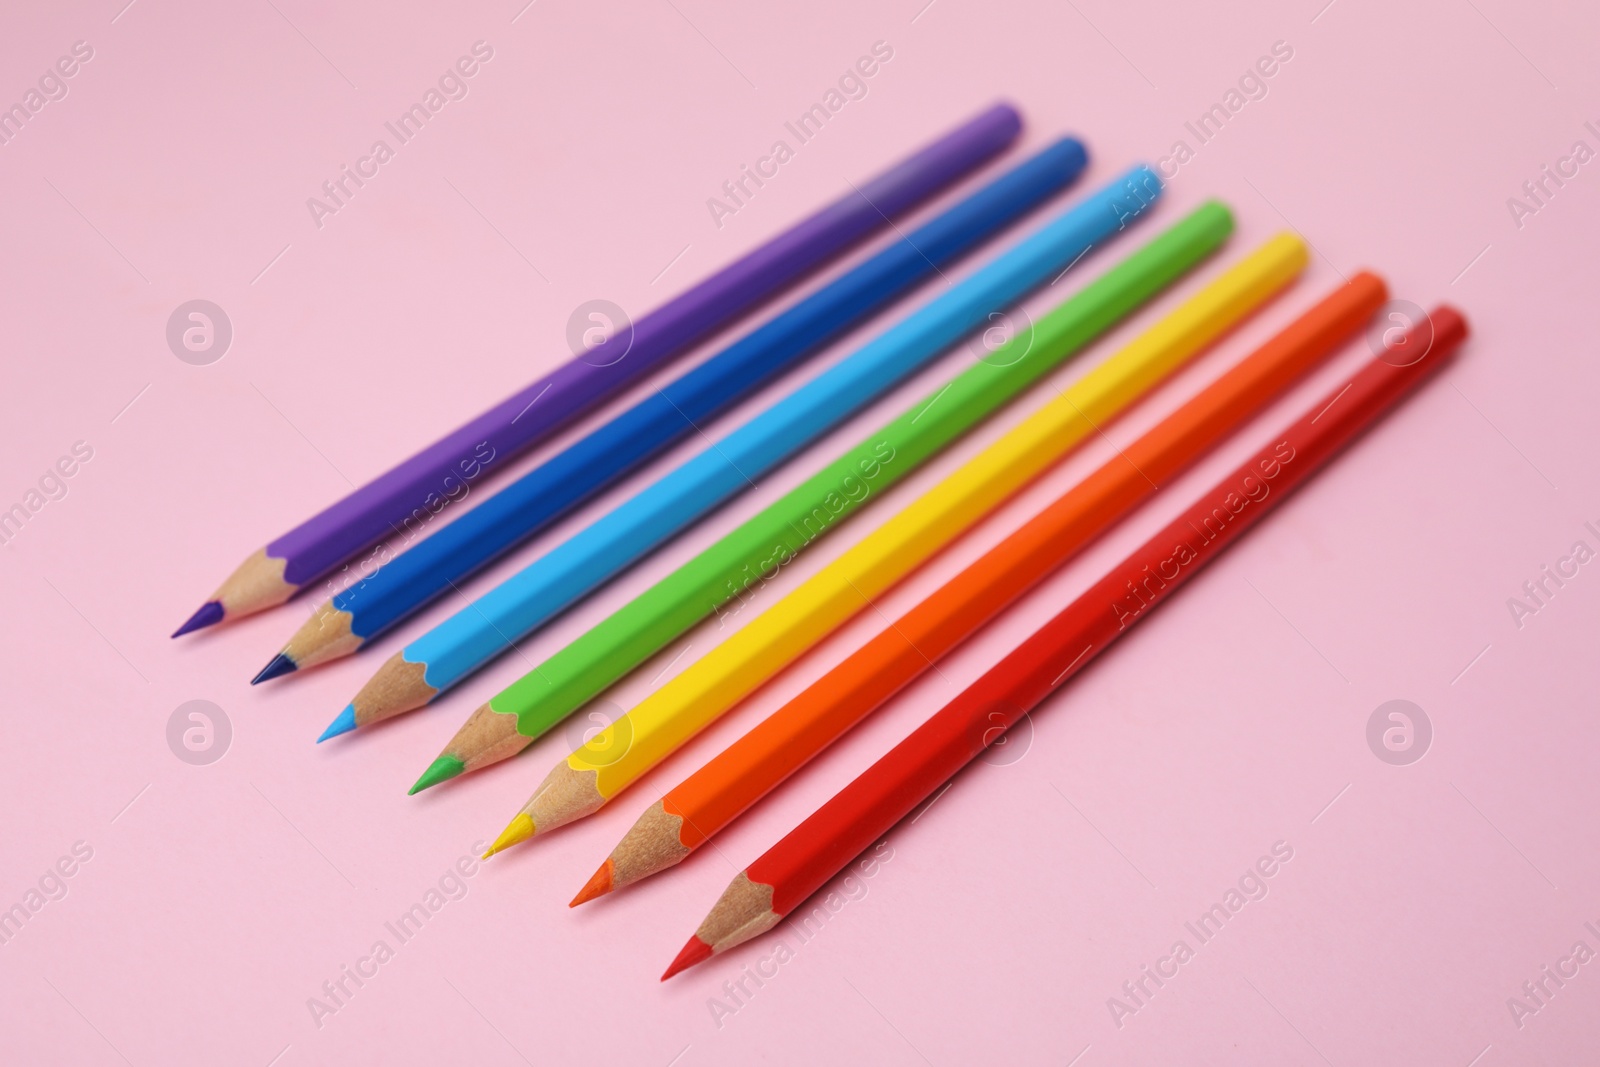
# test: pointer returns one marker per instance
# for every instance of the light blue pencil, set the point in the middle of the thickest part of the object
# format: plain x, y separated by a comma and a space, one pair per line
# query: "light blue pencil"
453, 650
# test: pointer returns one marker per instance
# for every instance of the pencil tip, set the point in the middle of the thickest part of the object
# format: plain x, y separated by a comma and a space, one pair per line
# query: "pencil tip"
210, 614
281, 664
599, 884
696, 951
517, 831
440, 770
345, 722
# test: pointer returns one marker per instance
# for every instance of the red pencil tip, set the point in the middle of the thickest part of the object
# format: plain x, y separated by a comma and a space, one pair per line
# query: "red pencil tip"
599, 884
696, 951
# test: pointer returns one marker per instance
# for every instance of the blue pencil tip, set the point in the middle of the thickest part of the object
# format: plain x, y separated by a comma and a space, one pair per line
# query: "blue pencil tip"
281, 664
210, 614
341, 725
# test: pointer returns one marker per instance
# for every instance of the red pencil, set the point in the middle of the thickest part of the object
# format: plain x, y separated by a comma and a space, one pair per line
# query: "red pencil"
800, 864
696, 809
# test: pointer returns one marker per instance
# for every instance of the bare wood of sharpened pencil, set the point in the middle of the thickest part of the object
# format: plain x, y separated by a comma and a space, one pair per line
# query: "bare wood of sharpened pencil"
325, 636
398, 686
563, 796
742, 912
651, 846
485, 735
255, 585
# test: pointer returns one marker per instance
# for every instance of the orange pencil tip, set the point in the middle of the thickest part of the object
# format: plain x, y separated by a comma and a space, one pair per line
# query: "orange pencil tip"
696, 951
599, 884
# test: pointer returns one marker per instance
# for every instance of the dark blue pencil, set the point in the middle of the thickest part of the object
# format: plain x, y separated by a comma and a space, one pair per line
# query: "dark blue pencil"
407, 583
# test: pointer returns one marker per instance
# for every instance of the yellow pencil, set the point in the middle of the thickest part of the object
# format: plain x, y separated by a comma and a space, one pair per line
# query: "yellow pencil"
620, 754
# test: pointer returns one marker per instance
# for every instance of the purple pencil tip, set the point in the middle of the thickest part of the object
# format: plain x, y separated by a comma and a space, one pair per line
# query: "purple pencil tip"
281, 664
210, 614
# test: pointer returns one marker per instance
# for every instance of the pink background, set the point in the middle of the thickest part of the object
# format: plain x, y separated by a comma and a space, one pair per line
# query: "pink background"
218, 899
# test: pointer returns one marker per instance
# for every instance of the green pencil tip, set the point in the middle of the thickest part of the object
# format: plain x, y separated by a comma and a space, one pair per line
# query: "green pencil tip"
441, 770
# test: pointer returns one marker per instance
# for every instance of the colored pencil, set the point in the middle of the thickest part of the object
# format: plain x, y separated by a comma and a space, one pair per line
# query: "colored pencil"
624, 751
787, 874
451, 651
439, 563
411, 491
716, 794
773, 538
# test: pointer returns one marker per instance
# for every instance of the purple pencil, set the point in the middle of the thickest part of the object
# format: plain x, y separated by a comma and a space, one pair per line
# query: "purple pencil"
413, 491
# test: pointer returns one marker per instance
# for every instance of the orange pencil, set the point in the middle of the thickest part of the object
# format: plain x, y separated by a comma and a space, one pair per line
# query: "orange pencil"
719, 792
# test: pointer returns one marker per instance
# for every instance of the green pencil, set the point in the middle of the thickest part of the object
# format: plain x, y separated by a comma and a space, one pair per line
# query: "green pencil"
753, 554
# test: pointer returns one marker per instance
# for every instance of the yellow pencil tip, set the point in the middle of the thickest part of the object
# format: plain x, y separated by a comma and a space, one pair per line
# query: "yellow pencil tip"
517, 831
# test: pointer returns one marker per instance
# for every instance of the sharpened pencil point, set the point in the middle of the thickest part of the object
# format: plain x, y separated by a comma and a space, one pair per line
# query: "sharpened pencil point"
696, 951
440, 770
517, 831
280, 665
345, 722
599, 884
210, 614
